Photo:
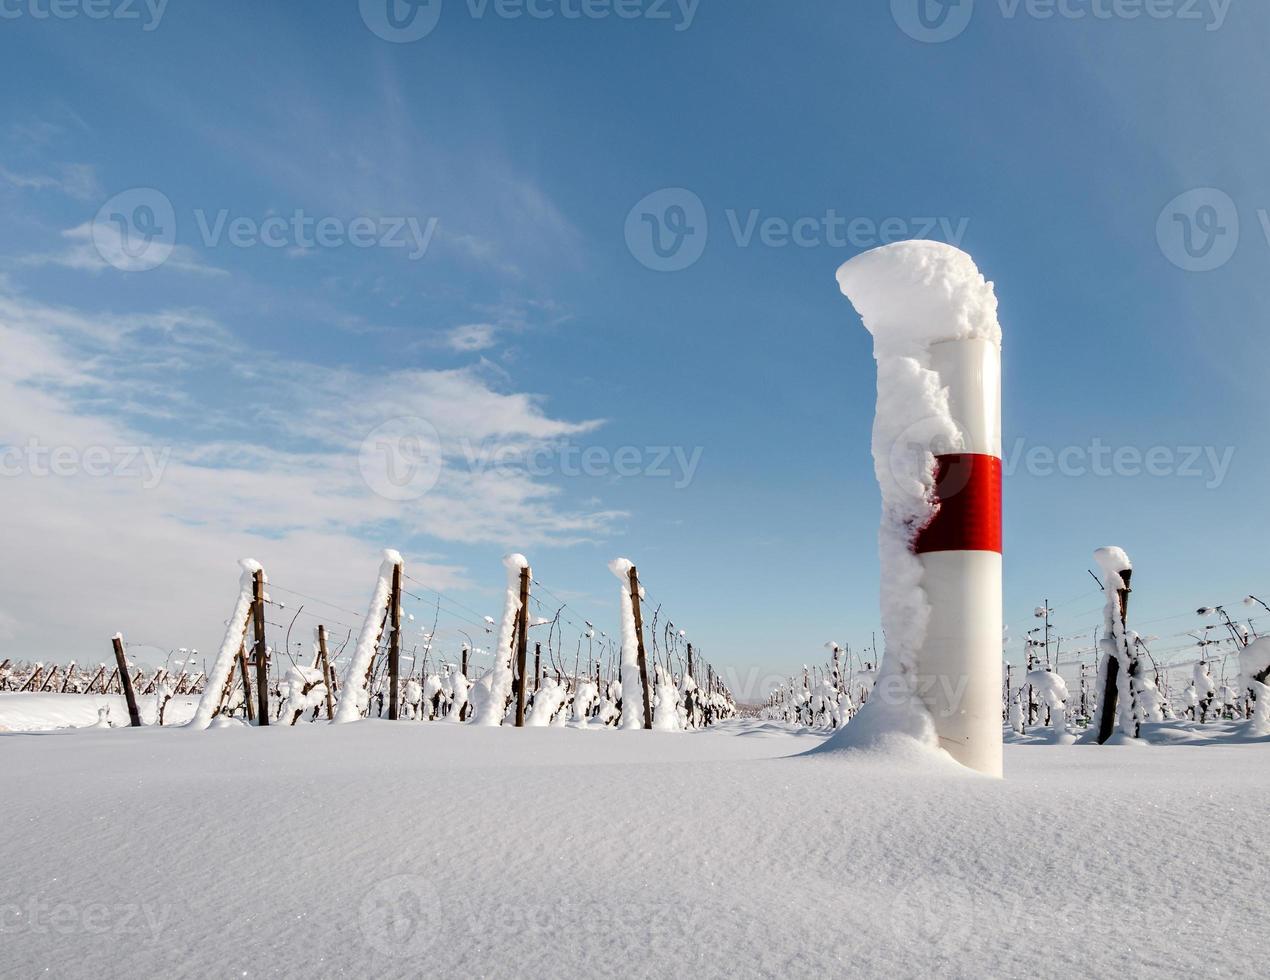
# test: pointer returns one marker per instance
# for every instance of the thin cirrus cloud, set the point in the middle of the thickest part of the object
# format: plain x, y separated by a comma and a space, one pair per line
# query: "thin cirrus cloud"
101, 247
75, 180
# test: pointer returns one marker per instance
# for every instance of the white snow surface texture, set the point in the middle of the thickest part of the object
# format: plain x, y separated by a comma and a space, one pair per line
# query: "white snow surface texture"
412, 850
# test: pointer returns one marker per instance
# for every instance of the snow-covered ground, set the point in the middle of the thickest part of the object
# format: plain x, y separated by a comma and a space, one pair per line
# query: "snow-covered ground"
41, 712
376, 849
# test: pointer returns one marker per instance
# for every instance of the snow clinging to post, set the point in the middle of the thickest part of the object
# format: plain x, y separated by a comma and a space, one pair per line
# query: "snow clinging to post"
936, 339
491, 705
632, 686
235, 630
354, 698
1114, 564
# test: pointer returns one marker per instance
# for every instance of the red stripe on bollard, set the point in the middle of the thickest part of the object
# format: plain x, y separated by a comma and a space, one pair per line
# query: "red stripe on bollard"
968, 489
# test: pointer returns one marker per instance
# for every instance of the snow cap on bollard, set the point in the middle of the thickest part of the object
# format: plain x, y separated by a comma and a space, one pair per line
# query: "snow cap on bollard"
937, 455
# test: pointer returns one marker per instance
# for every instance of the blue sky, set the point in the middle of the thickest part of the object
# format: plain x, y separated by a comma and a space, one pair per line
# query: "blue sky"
1049, 147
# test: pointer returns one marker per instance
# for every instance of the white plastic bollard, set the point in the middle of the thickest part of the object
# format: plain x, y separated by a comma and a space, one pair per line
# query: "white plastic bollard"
938, 345
959, 669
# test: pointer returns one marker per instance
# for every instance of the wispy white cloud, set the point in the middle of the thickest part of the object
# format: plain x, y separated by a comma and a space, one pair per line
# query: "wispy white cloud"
75, 180
98, 247
471, 337
271, 470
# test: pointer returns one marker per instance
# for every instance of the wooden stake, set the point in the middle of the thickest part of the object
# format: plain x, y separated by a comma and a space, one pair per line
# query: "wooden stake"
1107, 706
134, 716
522, 647
639, 638
262, 649
326, 673
394, 643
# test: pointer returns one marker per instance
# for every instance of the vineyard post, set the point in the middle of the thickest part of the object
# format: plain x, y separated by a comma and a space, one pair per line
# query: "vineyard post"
327, 676
134, 716
1107, 703
522, 647
262, 648
32, 680
394, 643
639, 640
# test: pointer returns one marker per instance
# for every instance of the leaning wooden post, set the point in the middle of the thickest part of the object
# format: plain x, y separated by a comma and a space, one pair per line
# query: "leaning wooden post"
134, 716
639, 640
262, 649
326, 673
394, 643
522, 647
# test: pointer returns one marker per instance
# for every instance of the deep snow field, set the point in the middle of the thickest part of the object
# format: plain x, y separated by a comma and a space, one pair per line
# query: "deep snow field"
380, 849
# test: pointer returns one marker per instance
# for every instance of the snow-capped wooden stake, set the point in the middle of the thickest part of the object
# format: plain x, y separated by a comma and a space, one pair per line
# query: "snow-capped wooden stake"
639, 641
261, 648
1110, 691
134, 716
522, 647
327, 676
394, 644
